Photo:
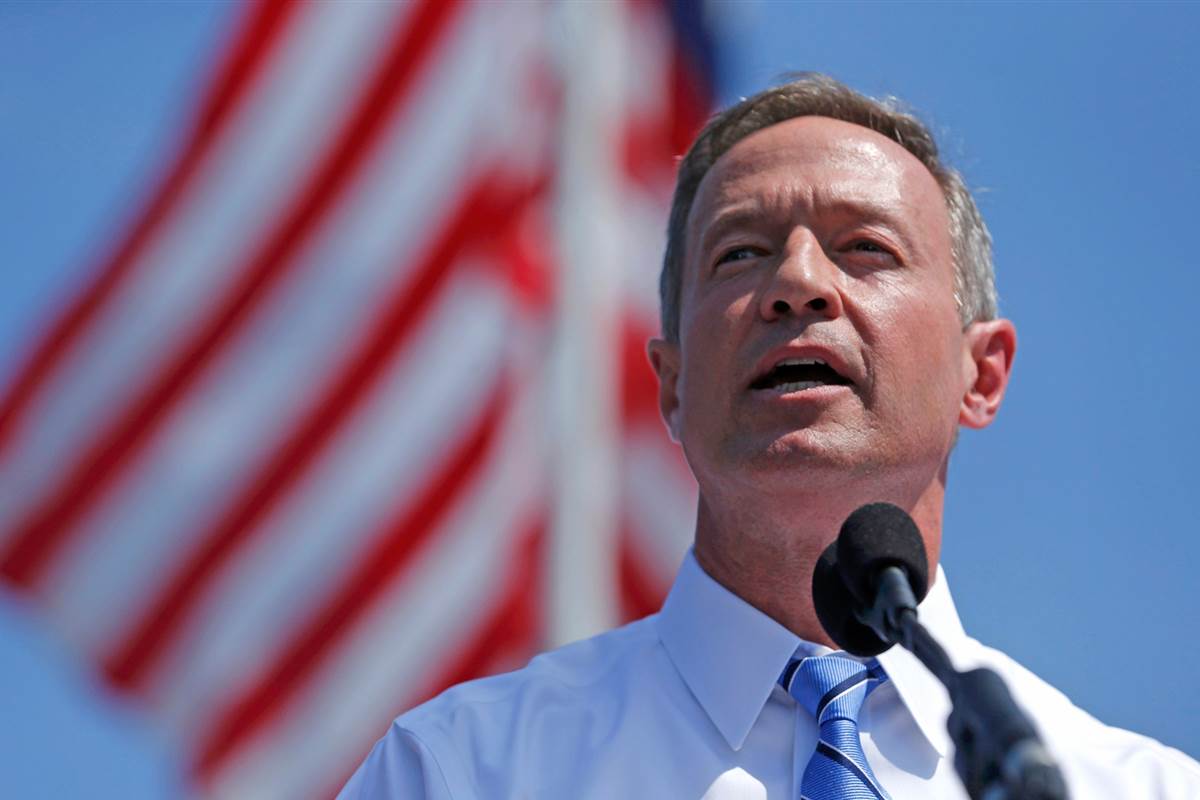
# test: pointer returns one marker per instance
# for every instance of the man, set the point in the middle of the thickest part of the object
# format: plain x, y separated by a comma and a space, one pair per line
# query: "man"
829, 321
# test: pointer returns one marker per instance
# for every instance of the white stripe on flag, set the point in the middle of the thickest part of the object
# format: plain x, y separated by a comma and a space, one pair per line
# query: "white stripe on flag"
314, 539
641, 255
386, 656
581, 593
286, 120
660, 498
236, 417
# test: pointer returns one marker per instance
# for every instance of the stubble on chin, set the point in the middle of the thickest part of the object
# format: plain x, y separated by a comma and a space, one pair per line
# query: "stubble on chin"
816, 455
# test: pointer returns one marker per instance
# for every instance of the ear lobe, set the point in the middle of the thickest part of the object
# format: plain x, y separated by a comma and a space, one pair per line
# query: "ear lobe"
664, 358
989, 350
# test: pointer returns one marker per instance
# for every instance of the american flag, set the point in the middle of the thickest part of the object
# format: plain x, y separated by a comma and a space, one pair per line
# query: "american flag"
358, 407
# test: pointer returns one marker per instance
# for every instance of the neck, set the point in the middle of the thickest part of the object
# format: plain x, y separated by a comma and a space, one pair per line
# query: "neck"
764, 550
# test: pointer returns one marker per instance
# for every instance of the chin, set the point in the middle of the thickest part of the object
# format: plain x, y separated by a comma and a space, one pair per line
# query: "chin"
808, 456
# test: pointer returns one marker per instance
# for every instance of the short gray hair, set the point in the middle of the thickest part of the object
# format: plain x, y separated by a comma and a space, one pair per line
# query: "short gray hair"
813, 94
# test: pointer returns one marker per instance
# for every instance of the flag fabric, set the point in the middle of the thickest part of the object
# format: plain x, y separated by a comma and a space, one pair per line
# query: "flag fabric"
358, 407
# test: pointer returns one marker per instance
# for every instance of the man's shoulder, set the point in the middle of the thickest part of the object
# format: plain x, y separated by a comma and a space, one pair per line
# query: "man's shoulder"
584, 720
587, 672
1092, 751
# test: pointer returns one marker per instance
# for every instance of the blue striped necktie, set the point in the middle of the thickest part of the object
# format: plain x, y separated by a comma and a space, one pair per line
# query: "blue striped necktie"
833, 688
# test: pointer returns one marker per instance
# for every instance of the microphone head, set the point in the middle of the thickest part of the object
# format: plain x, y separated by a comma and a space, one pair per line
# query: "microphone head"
835, 609
876, 536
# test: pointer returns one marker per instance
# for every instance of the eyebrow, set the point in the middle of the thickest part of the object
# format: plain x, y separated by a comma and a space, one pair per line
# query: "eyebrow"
734, 217
753, 213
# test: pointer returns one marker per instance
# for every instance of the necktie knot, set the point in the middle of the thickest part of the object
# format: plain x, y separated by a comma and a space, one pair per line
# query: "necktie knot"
832, 688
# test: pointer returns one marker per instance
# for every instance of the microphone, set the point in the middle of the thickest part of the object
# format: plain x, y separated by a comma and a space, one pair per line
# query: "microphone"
874, 572
835, 610
866, 587
881, 557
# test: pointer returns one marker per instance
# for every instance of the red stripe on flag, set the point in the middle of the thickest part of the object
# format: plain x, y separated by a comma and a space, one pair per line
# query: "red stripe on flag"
642, 591
507, 638
50, 525
132, 658
260, 30
689, 103
522, 253
512, 628
651, 142
639, 385
377, 568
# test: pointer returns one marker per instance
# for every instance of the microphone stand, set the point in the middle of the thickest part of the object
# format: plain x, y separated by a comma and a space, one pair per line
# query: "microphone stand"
997, 752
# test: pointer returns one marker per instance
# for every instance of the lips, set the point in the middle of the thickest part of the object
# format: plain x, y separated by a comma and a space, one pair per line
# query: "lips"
794, 374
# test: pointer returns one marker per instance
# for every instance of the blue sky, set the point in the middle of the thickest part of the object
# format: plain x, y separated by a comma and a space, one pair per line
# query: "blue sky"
1067, 538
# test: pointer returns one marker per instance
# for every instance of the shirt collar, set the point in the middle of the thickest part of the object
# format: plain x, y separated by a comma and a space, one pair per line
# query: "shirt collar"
922, 694
730, 654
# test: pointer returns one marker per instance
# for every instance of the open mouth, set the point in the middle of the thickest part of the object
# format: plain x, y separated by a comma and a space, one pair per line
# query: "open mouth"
798, 374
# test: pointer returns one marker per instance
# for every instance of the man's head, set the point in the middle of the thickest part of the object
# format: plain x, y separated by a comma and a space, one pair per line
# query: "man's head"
821, 96
811, 224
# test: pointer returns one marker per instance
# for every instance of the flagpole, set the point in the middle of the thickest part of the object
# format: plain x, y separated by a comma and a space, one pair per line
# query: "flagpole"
582, 575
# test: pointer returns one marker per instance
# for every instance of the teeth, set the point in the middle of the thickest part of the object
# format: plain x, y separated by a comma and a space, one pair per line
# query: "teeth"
800, 362
787, 388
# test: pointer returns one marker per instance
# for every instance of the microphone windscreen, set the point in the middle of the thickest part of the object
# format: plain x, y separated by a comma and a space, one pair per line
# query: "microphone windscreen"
835, 609
876, 536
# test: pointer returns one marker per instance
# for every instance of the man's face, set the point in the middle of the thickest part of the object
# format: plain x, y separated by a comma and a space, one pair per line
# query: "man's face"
819, 328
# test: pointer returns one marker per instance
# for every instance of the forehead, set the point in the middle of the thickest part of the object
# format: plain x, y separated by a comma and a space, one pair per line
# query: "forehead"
814, 163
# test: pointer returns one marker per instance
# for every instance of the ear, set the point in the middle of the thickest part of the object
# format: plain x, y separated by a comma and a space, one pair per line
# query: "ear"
988, 352
664, 358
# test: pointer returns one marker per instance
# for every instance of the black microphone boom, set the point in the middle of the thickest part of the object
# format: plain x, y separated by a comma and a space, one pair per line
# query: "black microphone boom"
866, 587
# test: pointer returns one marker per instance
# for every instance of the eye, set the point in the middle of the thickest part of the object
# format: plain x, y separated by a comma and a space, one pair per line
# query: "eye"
870, 250
867, 246
739, 254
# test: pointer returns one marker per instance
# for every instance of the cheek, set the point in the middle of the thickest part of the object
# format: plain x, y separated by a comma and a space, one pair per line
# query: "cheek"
710, 345
710, 325
919, 347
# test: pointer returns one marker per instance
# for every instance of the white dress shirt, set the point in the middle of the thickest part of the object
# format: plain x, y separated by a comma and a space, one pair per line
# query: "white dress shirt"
685, 704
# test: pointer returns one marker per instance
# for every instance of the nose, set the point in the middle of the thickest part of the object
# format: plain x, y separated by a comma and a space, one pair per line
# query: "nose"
804, 281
